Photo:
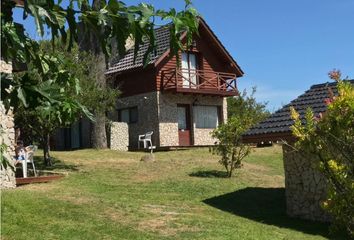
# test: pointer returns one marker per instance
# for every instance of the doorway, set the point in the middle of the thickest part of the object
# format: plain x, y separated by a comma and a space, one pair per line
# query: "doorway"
184, 125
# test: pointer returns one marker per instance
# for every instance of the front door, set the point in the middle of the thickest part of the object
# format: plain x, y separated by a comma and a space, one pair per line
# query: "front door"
184, 126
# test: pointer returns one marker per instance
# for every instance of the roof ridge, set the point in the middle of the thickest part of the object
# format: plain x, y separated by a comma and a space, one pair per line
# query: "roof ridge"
330, 83
165, 25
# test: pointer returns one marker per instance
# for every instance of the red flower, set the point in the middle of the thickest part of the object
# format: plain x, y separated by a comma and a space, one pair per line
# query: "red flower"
328, 101
335, 75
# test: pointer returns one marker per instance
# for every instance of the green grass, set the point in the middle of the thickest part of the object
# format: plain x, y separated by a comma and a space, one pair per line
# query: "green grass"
182, 195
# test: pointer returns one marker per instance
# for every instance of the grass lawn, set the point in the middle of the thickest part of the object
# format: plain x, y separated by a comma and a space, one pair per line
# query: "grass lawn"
182, 195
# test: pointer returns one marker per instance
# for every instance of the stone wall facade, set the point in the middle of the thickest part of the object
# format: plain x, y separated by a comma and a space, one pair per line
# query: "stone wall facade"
147, 116
158, 112
119, 136
8, 138
305, 186
168, 123
5, 67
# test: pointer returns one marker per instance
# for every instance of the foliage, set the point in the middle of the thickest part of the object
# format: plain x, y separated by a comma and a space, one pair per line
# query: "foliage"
52, 102
36, 123
83, 65
330, 137
246, 106
243, 112
229, 145
112, 22
4, 161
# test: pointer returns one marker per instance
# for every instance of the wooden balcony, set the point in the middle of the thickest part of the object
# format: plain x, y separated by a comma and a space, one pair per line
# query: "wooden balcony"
199, 82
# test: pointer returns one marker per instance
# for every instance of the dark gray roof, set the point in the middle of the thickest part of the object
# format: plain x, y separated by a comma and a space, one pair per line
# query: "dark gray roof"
162, 36
280, 121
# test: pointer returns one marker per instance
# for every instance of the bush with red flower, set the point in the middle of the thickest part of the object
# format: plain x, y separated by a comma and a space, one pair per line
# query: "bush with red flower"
330, 136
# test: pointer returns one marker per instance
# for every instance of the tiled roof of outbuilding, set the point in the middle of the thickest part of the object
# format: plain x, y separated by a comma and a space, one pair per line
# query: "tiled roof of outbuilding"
162, 36
280, 121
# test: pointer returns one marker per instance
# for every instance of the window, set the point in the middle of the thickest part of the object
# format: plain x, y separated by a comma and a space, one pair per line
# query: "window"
189, 67
206, 116
182, 118
128, 115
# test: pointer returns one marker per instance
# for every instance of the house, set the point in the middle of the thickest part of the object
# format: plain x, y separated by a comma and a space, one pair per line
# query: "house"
182, 102
305, 186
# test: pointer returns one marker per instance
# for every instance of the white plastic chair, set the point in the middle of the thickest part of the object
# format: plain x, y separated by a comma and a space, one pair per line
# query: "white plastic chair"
145, 138
29, 159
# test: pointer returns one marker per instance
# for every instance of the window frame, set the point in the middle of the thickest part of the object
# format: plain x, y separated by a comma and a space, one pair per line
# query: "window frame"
219, 117
198, 64
130, 109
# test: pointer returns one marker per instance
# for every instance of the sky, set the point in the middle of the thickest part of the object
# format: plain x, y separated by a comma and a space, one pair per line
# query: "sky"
283, 46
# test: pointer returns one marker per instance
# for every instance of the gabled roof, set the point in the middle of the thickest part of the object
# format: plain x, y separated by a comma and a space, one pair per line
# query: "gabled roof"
162, 35
277, 126
221, 46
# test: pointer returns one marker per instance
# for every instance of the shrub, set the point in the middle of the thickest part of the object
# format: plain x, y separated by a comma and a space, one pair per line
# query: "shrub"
229, 145
243, 112
330, 136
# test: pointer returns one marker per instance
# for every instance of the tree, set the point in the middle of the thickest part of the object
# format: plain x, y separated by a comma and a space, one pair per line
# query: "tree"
330, 138
247, 106
230, 146
83, 65
38, 123
60, 106
243, 112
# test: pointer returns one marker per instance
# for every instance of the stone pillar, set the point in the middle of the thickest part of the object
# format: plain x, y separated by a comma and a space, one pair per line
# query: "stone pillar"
119, 136
7, 138
305, 186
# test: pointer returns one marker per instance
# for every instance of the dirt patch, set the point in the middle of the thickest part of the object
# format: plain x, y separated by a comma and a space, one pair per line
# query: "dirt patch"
165, 220
159, 210
42, 187
263, 180
166, 225
160, 225
114, 215
168, 210
141, 177
259, 175
255, 167
76, 199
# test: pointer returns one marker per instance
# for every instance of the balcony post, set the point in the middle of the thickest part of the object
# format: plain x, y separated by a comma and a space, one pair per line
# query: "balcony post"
176, 77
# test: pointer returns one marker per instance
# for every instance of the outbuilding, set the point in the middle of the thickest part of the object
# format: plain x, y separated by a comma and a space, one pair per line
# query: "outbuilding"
305, 185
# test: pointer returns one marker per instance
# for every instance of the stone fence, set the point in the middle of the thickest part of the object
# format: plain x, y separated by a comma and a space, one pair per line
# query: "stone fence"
119, 136
305, 186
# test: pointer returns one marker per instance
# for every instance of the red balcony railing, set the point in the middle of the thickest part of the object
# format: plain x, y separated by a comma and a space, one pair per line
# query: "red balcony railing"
199, 81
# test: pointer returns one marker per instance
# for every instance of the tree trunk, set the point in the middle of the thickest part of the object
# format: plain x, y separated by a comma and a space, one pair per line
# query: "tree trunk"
91, 43
46, 149
99, 138
232, 166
